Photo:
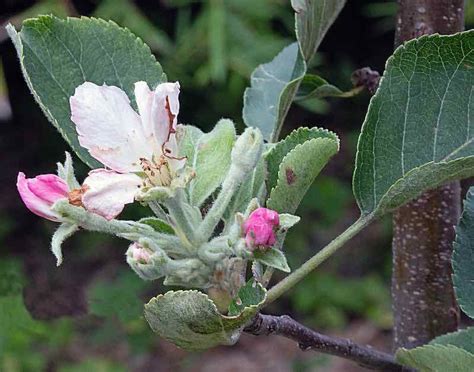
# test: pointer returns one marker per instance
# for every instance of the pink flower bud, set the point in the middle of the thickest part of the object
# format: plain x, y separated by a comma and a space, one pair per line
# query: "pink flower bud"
259, 229
139, 253
41, 192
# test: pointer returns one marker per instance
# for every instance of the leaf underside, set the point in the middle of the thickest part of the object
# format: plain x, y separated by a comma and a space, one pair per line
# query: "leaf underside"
190, 320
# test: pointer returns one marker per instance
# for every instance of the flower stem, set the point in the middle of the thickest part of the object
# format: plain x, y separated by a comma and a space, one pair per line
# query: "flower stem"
291, 280
184, 229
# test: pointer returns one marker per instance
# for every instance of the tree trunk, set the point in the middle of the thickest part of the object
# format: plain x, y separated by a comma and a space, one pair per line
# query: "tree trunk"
423, 299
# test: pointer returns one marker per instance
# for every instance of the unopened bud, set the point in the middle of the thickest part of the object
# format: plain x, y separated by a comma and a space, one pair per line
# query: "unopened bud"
247, 150
147, 264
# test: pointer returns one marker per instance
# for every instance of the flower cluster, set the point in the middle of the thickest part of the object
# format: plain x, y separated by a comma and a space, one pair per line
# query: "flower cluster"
142, 157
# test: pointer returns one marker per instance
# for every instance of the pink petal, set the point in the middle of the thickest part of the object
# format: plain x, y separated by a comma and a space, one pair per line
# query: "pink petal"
108, 126
32, 201
48, 187
107, 192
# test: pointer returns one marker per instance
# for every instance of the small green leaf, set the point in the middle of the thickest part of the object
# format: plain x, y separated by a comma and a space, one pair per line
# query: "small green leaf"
313, 86
188, 137
211, 161
58, 55
190, 320
288, 220
463, 257
436, 358
313, 19
272, 88
297, 172
272, 257
249, 294
463, 339
281, 149
64, 231
418, 132
158, 225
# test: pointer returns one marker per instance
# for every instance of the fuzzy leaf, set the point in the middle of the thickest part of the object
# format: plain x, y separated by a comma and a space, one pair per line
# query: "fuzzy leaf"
190, 320
64, 231
249, 294
463, 257
188, 137
418, 132
273, 258
58, 55
436, 358
281, 149
211, 161
313, 19
463, 339
288, 220
158, 225
297, 171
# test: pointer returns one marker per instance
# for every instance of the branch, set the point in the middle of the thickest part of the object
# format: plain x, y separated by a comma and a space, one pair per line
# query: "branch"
309, 339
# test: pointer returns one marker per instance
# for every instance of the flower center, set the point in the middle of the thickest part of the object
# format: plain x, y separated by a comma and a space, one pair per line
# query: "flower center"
157, 171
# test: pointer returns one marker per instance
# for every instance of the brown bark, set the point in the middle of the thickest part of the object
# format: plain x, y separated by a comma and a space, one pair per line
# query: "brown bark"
423, 299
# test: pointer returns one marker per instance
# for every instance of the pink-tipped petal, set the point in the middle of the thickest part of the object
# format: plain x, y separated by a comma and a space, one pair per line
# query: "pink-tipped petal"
48, 187
109, 127
107, 192
38, 198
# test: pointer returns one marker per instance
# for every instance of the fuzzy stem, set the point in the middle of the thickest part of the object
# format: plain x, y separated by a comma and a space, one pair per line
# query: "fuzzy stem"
184, 228
291, 280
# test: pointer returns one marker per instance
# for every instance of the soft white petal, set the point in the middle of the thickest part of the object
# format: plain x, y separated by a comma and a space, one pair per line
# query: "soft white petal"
109, 127
164, 111
144, 98
108, 192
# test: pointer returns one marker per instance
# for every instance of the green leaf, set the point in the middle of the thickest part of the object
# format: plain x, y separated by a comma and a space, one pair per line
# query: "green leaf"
288, 220
463, 339
64, 231
313, 19
463, 257
211, 161
313, 86
281, 149
297, 171
58, 55
188, 137
273, 258
272, 88
249, 294
418, 132
158, 225
436, 358
190, 320
273, 85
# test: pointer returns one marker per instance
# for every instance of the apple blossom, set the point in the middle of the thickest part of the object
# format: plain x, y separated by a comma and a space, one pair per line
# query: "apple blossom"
40, 193
259, 228
140, 149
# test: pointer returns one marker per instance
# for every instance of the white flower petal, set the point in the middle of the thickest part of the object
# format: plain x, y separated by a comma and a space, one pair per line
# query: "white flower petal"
109, 127
164, 111
108, 192
144, 97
